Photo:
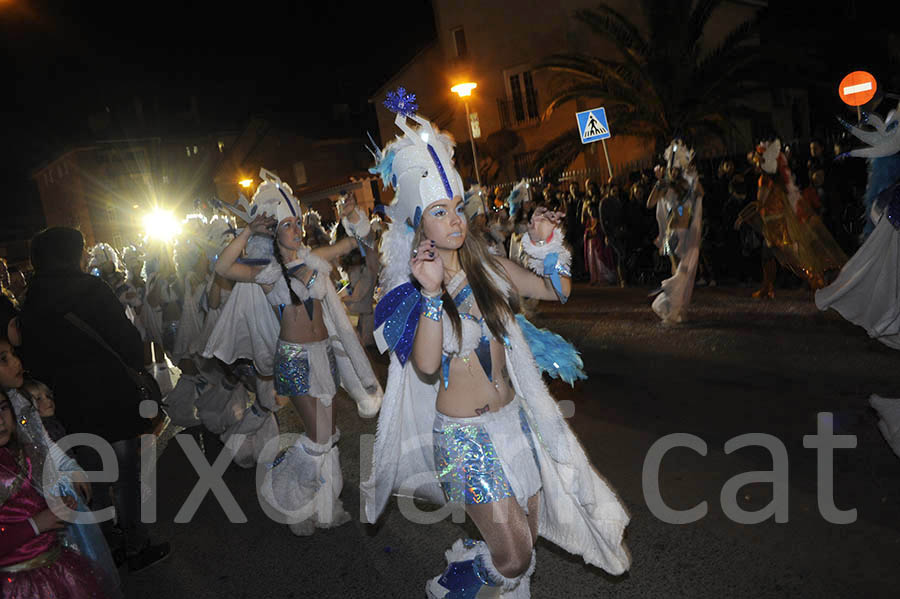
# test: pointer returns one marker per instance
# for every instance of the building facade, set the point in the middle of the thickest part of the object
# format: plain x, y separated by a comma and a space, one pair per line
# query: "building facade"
497, 45
106, 188
318, 170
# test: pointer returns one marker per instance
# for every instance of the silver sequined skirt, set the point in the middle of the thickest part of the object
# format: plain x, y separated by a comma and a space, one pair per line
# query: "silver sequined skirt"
306, 369
487, 458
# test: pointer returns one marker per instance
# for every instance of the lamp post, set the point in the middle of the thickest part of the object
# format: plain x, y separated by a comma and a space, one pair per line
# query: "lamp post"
464, 90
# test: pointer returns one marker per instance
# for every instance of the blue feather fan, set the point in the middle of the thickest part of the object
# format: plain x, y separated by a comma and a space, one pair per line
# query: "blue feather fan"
553, 354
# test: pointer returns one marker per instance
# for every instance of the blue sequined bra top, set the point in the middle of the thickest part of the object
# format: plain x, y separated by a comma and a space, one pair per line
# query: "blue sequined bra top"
475, 335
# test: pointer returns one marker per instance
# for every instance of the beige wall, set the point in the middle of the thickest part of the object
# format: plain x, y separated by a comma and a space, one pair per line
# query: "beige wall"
502, 36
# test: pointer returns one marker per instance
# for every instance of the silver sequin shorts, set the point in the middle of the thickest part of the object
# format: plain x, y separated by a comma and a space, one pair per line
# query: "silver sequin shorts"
306, 369
487, 458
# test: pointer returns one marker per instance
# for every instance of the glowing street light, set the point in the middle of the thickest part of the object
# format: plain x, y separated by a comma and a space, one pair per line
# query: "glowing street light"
161, 225
464, 91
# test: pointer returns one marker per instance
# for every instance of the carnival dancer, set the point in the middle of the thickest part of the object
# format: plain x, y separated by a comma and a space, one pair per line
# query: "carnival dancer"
805, 247
678, 198
867, 290
317, 348
244, 337
163, 301
105, 263
466, 410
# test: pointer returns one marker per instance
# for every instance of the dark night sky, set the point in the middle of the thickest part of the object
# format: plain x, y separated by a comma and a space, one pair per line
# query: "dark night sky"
63, 61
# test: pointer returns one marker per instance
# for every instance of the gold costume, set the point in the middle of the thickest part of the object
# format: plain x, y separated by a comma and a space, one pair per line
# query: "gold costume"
806, 248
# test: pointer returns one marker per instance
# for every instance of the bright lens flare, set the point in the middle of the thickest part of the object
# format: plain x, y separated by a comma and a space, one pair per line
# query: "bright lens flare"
161, 225
245, 183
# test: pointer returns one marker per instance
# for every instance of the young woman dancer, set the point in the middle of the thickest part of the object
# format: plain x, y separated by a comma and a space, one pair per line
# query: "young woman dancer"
317, 347
678, 199
466, 409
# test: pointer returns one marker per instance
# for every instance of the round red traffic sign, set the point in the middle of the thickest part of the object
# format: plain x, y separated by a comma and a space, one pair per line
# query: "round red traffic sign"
857, 88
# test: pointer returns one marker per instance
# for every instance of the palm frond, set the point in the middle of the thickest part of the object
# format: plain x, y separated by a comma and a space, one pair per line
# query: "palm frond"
607, 22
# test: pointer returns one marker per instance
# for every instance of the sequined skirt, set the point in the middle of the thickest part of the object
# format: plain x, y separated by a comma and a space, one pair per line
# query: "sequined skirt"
487, 458
306, 369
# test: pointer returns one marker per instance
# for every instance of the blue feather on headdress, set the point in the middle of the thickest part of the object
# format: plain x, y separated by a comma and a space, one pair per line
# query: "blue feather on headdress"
553, 354
384, 167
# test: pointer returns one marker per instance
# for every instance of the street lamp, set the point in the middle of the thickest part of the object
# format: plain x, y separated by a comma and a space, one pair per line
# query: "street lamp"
464, 90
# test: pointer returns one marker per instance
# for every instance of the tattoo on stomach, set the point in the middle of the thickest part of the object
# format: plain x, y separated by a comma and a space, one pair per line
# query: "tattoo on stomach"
480, 411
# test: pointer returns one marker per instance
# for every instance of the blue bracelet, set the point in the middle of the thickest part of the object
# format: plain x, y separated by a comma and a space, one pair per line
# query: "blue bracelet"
432, 307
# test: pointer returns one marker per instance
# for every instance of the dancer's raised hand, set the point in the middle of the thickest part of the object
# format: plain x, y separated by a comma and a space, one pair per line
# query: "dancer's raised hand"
427, 267
263, 224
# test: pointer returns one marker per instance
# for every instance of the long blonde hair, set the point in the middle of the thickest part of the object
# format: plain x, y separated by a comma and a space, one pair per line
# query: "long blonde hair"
480, 265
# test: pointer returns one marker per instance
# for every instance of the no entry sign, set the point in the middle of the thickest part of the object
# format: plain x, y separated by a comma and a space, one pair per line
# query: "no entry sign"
857, 88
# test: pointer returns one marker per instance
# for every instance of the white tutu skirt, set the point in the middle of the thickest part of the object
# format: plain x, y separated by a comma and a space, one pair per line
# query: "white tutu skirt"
246, 328
181, 402
867, 291
257, 427
221, 406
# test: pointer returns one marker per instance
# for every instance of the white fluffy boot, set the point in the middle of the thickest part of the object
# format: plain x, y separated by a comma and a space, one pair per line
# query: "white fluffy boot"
303, 485
330, 511
471, 574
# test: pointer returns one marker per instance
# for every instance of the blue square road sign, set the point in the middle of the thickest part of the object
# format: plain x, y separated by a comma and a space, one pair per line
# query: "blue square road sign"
592, 125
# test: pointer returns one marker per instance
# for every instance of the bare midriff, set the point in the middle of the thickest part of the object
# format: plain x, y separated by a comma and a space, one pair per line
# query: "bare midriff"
470, 392
296, 325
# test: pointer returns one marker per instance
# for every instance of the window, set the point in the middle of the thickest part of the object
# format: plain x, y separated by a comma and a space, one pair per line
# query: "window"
521, 106
221, 146
459, 40
188, 150
195, 150
300, 173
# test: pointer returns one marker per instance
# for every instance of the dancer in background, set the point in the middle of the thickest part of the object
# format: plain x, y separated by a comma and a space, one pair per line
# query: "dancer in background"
867, 290
316, 349
802, 245
678, 198
467, 417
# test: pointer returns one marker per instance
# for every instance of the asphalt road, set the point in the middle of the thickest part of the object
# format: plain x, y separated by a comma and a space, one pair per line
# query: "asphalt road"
740, 366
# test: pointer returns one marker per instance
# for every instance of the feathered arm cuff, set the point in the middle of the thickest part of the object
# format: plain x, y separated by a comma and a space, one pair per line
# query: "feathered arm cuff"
359, 230
550, 258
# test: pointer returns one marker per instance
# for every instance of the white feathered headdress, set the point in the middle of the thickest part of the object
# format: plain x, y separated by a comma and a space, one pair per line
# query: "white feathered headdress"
276, 198
419, 166
678, 155
883, 141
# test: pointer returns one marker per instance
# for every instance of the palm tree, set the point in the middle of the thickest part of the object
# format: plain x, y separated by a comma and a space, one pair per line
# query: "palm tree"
662, 86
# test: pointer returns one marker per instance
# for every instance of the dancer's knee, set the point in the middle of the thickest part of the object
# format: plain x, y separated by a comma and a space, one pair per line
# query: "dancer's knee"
515, 562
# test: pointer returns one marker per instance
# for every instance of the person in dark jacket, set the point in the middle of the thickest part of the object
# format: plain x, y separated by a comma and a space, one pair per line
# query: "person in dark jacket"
94, 391
615, 230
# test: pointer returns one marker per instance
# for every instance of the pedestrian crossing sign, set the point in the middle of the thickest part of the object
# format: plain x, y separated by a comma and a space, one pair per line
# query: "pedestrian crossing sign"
592, 125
